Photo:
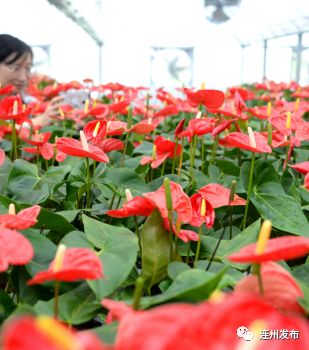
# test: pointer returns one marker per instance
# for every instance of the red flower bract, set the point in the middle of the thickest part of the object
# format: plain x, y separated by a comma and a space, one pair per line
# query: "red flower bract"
302, 167
45, 333
279, 248
2, 156
208, 98
218, 196
78, 263
240, 140
183, 326
138, 206
22, 220
279, 288
75, 148
197, 220
181, 202
198, 127
15, 249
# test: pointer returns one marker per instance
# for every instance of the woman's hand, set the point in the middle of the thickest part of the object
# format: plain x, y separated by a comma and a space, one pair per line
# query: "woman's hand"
51, 110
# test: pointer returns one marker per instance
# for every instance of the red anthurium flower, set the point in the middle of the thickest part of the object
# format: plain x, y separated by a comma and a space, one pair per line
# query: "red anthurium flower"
137, 206
164, 149
208, 98
240, 140
179, 128
218, 196
184, 235
120, 106
302, 132
95, 131
302, 167
170, 327
76, 148
279, 248
11, 107
36, 139
181, 202
47, 151
245, 94
70, 265
15, 249
114, 86
117, 310
2, 156
100, 111
143, 127
5, 129
279, 288
44, 332
197, 220
223, 125
199, 127
280, 122
111, 144
115, 127
6, 90
24, 219
167, 111
301, 94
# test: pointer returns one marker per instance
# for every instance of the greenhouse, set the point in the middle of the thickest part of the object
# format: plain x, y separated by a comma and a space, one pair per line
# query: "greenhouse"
154, 174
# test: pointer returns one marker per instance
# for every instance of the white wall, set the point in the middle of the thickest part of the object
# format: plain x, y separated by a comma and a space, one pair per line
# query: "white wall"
74, 55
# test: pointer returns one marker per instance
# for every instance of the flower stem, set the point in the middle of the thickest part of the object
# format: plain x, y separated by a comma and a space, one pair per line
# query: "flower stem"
249, 191
138, 234
174, 156
56, 297
14, 142
180, 158
198, 245
87, 184
256, 270
192, 154
138, 292
214, 150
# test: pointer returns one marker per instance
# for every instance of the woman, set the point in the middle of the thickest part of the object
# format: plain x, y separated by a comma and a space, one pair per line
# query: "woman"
15, 69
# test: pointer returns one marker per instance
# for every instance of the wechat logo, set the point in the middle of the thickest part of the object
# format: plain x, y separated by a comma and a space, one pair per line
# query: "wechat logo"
243, 332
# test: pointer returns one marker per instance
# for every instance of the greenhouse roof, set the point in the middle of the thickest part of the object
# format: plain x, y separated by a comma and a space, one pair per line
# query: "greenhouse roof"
266, 19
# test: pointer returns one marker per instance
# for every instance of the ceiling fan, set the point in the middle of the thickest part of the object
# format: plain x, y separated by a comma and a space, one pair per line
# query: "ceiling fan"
220, 11
172, 66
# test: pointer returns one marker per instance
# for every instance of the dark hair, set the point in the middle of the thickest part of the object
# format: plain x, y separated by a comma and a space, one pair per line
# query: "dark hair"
10, 45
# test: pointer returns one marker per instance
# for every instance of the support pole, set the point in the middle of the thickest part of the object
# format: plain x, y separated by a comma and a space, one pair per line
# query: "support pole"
299, 49
265, 58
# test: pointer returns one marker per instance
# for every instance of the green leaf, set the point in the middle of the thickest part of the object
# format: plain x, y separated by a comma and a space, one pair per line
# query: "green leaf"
284, 211
44, 251
4, 172
54, 221
228, 167
175, 268
55, 174
118, 254
76, 239
263, 172
155, 243
227, 247
27, 186
126, 178
302, 273
6, 306
189, 286
24, 183
75, 307
107, 333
